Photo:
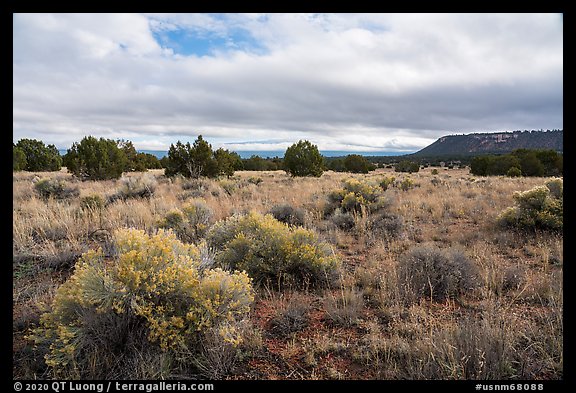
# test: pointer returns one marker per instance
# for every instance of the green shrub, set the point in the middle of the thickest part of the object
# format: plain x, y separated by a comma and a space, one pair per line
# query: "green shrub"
172, 220
33, 155
336, 165
514, 172
542, 207
18, 159
533, 199
271, 251
355, 198
303, 159
92, 202
150, 161
192, 161
406, 184
531, 162
426, 271
55, 188
191, 222
227, 162
356, 163
95, 159
229, 186
257, 163
353, 202
255, 180
387, 182
135, 162
153, 296
434, 171
407, 166
200, 160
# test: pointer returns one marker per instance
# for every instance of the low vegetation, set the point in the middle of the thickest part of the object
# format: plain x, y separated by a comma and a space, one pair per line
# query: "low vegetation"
434, 274
191, 222
541, 207
288, 214
55, 188
153, 298
427, 271
141, 186
271, 252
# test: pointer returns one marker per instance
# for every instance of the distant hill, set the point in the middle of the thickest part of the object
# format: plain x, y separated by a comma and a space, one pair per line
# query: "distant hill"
491, 143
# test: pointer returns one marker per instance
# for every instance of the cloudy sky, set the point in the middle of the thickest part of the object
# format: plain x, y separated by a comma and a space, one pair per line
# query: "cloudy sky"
357, 82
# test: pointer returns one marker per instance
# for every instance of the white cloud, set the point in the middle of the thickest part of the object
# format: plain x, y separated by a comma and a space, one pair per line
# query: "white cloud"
389, 81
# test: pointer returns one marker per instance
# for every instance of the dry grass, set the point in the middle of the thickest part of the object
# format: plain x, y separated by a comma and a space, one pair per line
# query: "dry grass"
509, 327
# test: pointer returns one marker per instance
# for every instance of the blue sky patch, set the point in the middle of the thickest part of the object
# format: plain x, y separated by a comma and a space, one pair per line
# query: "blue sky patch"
205, 43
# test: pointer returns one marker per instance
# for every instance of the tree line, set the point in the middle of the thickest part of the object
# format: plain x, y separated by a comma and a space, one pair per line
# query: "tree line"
520, 162
100, 159
93, 158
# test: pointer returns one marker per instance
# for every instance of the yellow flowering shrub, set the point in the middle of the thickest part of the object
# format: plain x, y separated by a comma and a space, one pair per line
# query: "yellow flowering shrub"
155, 284
271, 251
361, 189
353, 202
354, 196
386, 182
541, 207
406, 184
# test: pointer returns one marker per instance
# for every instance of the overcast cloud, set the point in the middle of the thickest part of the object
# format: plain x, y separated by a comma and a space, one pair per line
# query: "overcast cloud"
359, 82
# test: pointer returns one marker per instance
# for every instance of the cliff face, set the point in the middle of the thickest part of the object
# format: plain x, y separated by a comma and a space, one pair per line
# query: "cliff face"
500, 142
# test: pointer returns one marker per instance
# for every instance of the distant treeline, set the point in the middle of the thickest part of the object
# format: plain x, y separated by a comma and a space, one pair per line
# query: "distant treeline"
521, 162
106, 158
93, 158
425, 161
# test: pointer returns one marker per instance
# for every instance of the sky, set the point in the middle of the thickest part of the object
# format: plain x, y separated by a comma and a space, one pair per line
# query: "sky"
349, 82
